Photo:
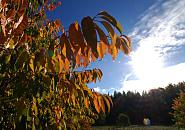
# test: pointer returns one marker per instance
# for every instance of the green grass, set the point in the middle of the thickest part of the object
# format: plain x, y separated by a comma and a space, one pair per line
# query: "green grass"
136, 128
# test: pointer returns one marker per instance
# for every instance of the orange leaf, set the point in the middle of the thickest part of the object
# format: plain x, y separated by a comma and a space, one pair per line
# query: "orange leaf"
67, 65
102, 36
108, 28
76, 37
110, 100
101, 103
57, 23
11, 15
89, 33
96, 105
3, 3
113, 51
107, 103
78, 57
102, 49
61, 64
21, 26
86, 101
3, 23
66, 47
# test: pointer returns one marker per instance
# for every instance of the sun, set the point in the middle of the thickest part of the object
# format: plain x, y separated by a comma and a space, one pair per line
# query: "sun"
146, 61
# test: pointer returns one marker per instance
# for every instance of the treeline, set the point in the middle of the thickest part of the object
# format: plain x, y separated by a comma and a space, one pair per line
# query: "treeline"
132, 107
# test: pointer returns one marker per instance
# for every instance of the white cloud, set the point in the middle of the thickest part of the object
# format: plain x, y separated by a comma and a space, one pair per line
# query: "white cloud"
160, 30
104, 91
172, 74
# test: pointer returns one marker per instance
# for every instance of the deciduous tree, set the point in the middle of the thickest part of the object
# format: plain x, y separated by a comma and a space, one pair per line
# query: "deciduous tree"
39, 87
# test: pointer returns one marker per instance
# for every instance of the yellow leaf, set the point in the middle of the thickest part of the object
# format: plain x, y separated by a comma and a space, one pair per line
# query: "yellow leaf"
31, 64
10, 44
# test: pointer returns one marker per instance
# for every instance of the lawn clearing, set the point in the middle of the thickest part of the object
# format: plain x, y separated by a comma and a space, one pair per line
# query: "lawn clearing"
136, 128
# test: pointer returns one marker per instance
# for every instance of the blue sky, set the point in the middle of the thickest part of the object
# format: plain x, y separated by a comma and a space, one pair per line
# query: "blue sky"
157, 29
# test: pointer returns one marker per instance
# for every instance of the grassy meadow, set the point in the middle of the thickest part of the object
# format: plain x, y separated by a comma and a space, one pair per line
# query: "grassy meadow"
136, 128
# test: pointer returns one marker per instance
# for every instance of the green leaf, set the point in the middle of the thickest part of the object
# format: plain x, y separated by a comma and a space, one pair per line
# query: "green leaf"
7, 58
24, 112
50, 53
89, 32
104, 15
23, 57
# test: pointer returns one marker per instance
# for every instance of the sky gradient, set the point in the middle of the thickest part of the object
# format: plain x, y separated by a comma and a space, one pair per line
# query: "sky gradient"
157, 30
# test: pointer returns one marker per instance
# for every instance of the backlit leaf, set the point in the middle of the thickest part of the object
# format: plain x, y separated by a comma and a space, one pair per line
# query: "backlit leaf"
7, 58
19, 21
95, 102
3, 23
23, 57
31, 64
104, 15
89, 32
86, 101
76, 37
103, 37
108, 28
107, 103
113, 51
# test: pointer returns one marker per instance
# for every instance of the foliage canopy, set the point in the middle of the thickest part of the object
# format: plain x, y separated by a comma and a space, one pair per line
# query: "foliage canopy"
39, 87
179, 110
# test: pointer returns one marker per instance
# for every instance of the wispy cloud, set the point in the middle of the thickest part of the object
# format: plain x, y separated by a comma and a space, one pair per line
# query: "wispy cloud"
104, 91
158, 34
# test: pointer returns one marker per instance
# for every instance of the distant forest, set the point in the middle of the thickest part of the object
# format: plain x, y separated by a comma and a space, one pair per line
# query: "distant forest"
131, 108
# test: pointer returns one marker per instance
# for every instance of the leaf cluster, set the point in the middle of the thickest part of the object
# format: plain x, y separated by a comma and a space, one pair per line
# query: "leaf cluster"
40, 88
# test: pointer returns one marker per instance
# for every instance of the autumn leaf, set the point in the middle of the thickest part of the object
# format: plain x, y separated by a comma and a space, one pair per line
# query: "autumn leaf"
101, 103
102, 49
21, 26
23, 57
57, 24
66, 47
108, 28
113, 51
3, 23
86, 101
107, 102
89, 32
76, 37
19, 21
102, 36
31, 64
95, 102
104, 15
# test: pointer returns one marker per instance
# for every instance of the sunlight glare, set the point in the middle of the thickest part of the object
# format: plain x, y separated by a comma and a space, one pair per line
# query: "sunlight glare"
146, 61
